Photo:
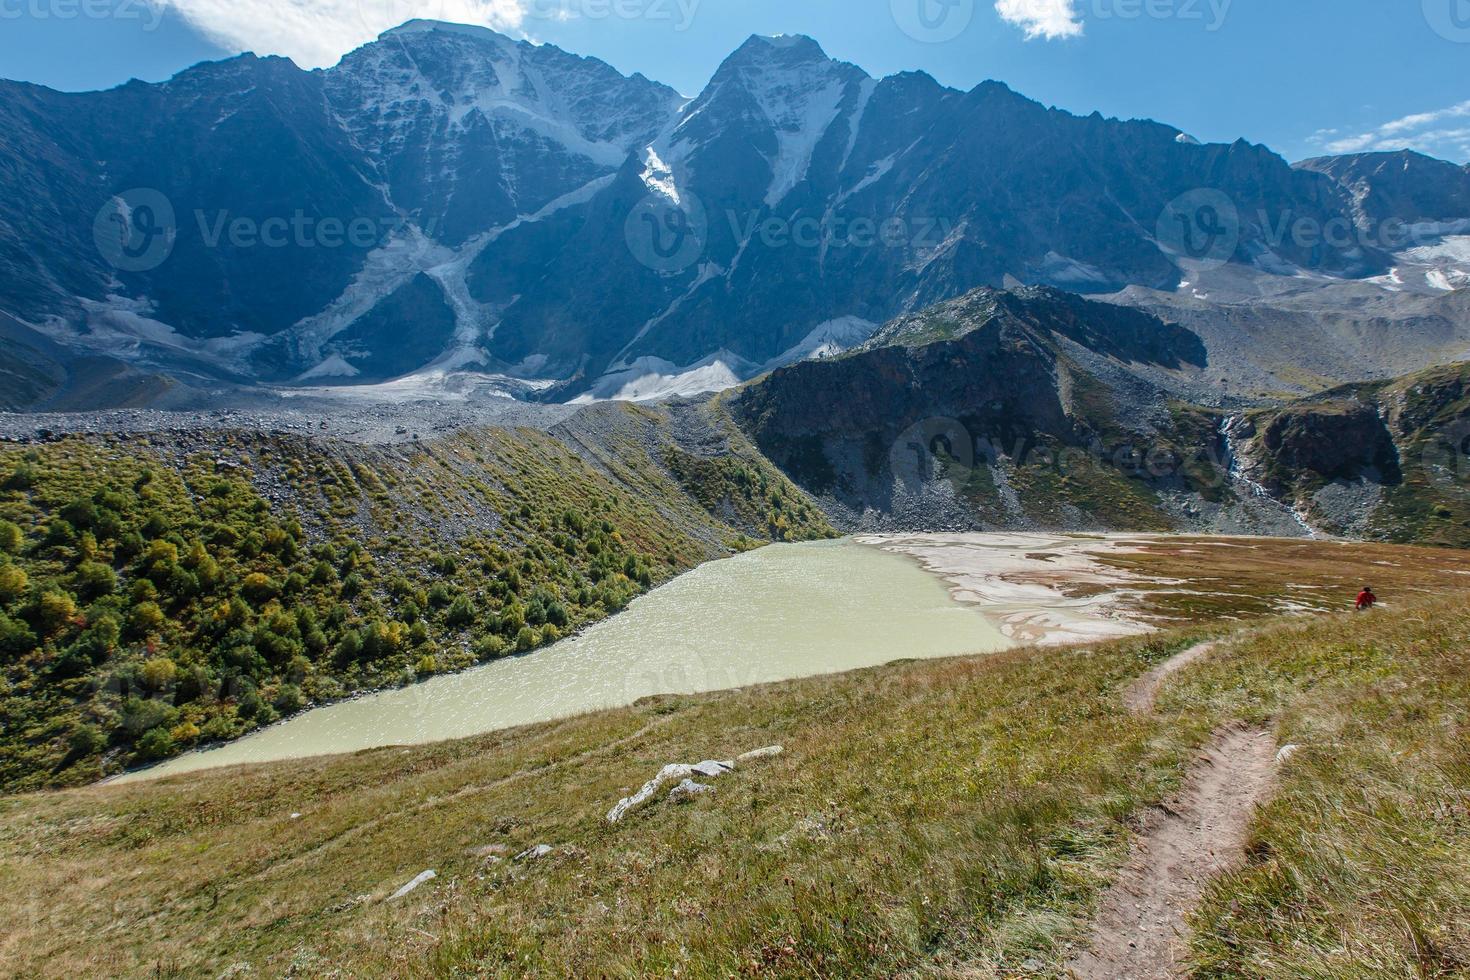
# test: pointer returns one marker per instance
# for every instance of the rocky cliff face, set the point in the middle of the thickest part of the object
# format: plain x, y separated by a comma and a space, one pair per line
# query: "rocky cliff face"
264, 210
1307, 446
1403, 185
999, 410
1386, 460
1038, 409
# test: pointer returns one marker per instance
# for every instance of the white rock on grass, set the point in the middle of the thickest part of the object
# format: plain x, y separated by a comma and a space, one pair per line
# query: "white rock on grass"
666, 775
688, 790
678, 771
1287, 751
429, 875
533, 853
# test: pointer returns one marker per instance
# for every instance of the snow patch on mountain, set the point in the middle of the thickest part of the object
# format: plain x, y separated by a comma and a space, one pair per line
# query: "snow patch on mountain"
798, 91
707, 272
876, 172
652, 378
425, 26
1064, 270
385, 270
490, 77
825, 340
800, 125
424, 101
1452, 250
1442, 264
409, 253
855, 121
124, 327
430, 385
335, 366
658, 176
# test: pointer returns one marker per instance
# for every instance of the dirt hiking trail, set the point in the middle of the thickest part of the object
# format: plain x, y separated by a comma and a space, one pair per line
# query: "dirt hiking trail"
1140, 932
1141, 697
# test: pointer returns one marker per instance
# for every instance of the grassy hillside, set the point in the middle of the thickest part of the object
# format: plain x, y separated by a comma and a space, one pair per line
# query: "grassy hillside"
943, 818
159, 592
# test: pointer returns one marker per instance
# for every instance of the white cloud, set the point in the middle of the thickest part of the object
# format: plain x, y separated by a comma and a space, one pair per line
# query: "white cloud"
316, 33
1049, 19
1422, 131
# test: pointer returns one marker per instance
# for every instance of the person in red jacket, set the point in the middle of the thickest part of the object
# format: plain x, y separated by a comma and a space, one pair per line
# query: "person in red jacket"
1366, 599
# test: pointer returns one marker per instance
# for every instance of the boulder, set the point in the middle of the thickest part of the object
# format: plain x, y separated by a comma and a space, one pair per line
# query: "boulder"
534, 853
429, 875
677, 771
687, 790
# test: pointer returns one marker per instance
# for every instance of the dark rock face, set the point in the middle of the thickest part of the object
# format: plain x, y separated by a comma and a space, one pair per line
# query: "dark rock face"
1387, 460
283, 184
1403, 185
978, 188
998, 379
467, 129
379, 347
989, 389
37, 374
245, 140
1121, 333
1316, 444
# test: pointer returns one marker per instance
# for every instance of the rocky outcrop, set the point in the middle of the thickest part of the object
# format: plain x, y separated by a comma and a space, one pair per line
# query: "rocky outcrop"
1387, 460
1311, 444
1038, 410
1400, 186
687, 788
1031, 408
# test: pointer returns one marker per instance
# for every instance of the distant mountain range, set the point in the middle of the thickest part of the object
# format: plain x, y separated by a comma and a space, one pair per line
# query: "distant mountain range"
447, 200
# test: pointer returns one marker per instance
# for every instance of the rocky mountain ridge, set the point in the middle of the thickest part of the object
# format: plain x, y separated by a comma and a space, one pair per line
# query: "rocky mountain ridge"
448, 200
1040, 409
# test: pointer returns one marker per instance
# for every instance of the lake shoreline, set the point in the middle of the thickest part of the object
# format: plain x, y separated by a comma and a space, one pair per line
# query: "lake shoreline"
781, 612
1016, 580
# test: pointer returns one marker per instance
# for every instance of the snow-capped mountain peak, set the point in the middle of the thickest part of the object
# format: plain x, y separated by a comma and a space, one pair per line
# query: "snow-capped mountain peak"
470, 128
508, 183
426, 26
783, 93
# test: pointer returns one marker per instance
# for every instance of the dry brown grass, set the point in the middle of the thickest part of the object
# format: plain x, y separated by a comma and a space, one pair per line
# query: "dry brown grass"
1246, 578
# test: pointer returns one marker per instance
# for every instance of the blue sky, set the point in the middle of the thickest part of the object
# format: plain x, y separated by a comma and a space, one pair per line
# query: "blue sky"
1303, 76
